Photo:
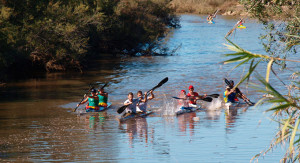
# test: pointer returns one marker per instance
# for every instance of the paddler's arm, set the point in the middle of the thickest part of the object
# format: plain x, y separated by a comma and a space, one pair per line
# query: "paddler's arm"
127, 103
151, 95
229, 92
84, 101
145, 98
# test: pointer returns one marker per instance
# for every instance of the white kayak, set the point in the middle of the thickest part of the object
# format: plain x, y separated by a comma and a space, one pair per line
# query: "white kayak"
191, 108
231, 105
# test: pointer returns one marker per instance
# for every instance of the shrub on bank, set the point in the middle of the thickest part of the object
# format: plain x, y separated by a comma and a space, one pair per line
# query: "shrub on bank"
60, 35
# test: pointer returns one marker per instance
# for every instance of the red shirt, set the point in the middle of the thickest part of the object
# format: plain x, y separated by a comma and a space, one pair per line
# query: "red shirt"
193, 98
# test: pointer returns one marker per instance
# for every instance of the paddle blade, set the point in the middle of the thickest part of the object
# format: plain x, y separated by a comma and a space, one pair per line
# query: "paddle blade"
214, 95
208, 99
227, 81
160, 84
121, 109
177, 98
75, 109
104, 86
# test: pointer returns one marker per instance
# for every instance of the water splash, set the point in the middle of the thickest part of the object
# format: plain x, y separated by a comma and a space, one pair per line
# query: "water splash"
215, 104
169, 107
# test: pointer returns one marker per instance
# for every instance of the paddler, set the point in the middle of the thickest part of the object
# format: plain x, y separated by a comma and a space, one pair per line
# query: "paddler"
93, 101
194, 96
229, 95
184, 103
131, 105
240, 22
239, 94
210, 17
141, 106
103, 97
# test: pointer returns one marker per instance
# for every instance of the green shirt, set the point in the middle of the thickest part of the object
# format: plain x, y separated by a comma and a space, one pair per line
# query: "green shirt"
93, 102
102, 99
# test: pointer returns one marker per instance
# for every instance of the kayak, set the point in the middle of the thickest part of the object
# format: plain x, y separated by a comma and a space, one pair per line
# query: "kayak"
231, 105
189, 109
211, 22
101, 108
134, 115
241, 26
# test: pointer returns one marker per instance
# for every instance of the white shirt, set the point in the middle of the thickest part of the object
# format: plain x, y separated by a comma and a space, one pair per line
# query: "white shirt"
131, 107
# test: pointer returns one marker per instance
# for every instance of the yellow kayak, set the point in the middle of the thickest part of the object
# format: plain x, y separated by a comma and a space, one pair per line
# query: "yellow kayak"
241, 26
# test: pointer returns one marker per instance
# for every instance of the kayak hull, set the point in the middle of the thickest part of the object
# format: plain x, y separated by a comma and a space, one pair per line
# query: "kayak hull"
211, 22
231, 105
101, 108
134, 115
189, 109
242, 27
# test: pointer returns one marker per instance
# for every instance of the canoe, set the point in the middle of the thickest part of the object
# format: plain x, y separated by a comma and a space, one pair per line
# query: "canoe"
189, 109
242, 27
211, 22
230, 105
100, 108
134, 115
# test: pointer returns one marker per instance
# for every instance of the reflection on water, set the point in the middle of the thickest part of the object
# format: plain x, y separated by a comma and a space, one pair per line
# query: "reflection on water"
136, 129
185, 121
37, 123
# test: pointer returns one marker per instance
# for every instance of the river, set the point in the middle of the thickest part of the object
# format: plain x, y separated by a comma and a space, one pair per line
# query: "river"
37, 123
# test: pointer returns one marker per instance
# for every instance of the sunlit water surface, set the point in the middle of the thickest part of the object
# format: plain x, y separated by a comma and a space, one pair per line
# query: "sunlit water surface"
37, 123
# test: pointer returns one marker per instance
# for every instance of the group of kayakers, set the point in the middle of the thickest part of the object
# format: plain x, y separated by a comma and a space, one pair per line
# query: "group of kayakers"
210, 18
95, 100
98, 98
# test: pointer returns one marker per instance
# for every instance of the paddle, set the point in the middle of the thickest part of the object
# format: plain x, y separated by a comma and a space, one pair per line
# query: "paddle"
83, 98
240, 94
216, 13
122, 108
208, 99
214, 95
104, 85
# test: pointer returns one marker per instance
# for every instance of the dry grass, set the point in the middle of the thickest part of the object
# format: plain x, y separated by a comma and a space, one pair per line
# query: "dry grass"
206, 6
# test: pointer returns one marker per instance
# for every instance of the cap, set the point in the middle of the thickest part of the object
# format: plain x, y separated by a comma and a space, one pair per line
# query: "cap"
93, 91
183, 91
231, 82
190, 87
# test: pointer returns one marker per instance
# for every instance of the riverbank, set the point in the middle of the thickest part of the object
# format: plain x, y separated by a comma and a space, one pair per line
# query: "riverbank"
228, 7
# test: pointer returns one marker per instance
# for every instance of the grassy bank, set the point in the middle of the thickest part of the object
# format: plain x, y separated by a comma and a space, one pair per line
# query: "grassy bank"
227, 7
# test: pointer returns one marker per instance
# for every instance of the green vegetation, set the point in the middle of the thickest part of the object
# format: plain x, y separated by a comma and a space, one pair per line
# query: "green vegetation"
58, 35
281, 42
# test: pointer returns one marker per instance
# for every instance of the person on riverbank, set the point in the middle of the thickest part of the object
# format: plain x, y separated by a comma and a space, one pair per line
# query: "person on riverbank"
194, 96
131, 105
93, 100
142, 104
103, 97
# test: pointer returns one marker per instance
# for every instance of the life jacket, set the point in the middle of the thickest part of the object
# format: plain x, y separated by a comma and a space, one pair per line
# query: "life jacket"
229, 98
93, 104
102, 100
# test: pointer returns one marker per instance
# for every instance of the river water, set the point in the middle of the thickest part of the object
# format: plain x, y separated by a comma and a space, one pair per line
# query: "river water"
37, 123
